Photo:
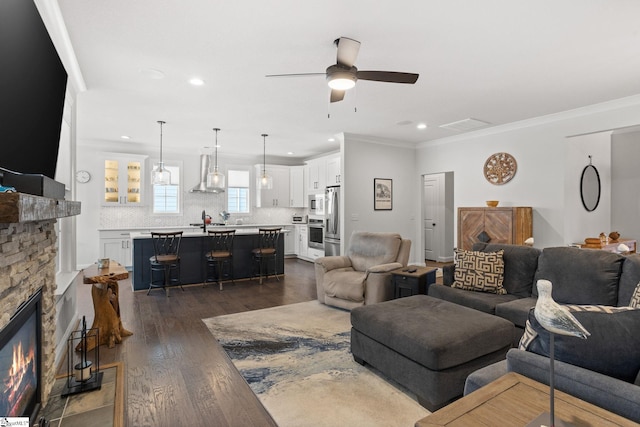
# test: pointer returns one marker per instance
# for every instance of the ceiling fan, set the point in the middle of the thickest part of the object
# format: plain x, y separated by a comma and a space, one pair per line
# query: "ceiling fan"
343, 75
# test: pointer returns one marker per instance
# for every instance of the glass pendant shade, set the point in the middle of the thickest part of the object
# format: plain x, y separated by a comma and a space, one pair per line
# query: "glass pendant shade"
160, 175
266, 181
216, 180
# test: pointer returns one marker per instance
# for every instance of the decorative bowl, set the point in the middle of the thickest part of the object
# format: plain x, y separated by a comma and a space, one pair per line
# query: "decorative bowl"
614, 235
492, 203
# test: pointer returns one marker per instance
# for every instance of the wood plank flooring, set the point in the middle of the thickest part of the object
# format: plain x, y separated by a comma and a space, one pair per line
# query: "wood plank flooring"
176, 373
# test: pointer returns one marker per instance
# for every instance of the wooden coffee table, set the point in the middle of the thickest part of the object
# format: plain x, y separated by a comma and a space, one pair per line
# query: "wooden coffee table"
515, 400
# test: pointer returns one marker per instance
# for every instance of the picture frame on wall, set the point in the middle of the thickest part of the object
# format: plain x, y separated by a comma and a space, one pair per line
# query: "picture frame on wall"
382, 194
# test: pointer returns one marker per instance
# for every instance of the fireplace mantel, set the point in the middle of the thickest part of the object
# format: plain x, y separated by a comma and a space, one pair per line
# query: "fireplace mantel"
21, 207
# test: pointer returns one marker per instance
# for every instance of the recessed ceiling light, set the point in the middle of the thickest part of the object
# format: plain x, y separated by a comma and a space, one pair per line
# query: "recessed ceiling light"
421, 126
290, 153
125, 137
196, 81
331, 139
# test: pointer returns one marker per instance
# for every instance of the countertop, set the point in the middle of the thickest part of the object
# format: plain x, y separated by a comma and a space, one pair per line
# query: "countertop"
195, 228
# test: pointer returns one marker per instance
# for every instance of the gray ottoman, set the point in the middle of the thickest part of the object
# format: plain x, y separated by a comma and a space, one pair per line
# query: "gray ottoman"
428, 345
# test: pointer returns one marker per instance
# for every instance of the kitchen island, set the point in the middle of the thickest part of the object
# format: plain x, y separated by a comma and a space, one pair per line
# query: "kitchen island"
192, 261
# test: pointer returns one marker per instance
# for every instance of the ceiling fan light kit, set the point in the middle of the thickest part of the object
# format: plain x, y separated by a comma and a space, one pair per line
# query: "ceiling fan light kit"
160, 175
343, 75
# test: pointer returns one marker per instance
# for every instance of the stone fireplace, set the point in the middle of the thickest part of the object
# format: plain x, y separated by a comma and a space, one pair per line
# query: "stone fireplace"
28, 263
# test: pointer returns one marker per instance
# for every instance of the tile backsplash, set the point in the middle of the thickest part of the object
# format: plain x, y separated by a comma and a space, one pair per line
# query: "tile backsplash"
193, 205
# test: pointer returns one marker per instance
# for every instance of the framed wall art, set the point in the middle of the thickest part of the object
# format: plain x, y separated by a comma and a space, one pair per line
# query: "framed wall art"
382, 194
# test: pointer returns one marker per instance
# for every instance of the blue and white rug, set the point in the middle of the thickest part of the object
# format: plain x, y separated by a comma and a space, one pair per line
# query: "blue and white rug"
297, 360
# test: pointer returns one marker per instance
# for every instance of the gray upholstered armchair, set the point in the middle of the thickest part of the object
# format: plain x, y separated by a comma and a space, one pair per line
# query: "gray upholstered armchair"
362, 276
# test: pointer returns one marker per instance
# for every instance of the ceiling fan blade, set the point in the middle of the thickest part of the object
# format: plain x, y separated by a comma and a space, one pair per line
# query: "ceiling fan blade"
388, 76
347, 51
337, 95
296, 75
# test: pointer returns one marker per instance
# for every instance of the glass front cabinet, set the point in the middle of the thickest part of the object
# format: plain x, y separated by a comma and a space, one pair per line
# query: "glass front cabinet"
124, 180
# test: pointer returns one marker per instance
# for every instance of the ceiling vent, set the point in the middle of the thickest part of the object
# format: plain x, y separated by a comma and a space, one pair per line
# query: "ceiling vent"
466, 125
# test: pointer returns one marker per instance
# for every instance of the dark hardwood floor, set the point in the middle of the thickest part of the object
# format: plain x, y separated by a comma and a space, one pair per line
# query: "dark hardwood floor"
176, 372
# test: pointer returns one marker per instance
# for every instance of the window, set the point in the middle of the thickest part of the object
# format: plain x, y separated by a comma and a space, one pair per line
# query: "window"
238, 191
166, 198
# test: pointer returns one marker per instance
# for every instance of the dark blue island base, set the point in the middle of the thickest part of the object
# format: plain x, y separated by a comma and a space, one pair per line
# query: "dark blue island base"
192, 261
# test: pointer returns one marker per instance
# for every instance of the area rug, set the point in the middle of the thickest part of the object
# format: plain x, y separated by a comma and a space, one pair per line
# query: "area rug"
297, 360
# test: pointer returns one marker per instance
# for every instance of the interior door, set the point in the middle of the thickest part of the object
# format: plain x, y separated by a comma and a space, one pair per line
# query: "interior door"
431, 208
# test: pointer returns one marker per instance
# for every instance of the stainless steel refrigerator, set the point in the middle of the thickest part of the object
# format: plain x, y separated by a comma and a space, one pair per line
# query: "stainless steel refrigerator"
332, 221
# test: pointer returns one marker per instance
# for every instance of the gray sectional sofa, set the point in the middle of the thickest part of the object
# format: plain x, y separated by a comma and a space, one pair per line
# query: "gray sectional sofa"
605, 368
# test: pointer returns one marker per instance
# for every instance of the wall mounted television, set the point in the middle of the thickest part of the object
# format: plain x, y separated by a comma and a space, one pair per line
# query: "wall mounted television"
32, 89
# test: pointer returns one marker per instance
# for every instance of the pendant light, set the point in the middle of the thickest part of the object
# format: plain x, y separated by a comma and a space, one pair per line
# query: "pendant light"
215, 179
266, 181
160, 175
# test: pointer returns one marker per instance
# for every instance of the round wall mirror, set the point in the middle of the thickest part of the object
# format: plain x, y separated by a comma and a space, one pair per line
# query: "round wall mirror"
590, 187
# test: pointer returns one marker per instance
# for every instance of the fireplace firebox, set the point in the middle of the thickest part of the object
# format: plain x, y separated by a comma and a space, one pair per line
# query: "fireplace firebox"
20, 365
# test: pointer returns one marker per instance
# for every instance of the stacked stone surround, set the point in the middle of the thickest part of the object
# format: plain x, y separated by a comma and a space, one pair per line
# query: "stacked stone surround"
27, 263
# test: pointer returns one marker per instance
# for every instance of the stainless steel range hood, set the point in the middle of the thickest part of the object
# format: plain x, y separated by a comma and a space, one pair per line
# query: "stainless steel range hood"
205, 159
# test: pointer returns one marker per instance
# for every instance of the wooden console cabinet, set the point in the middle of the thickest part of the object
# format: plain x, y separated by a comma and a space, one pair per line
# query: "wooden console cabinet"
512, 225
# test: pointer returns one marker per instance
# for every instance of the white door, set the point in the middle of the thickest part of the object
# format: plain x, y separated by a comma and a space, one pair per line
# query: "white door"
431, 208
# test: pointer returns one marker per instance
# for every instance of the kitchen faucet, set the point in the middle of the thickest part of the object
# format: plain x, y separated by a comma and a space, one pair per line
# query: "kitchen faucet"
204, 221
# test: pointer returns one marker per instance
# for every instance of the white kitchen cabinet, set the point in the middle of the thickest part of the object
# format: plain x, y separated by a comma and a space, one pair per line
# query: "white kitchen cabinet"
289, 240
301, 240
278, 195
317, 171
297, 187
124, 178
117, 245
333, 171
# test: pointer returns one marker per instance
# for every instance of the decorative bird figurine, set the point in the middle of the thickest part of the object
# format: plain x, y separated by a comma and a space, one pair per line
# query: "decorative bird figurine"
554, 317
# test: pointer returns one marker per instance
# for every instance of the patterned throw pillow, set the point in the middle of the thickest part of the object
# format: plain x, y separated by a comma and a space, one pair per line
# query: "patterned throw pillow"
635, 298
479, 271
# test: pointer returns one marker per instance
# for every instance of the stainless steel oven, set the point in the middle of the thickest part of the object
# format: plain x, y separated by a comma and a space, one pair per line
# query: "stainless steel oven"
316, 233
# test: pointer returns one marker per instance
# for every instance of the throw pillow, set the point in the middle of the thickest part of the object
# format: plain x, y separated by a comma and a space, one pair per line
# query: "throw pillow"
635, 298
612, 349
479, 271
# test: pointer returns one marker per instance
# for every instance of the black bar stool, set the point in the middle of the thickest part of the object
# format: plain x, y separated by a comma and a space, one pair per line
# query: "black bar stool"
220, 253
267, 249
166, 260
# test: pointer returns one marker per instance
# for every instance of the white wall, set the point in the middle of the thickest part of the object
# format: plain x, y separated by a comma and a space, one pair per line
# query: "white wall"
364, 159
591, 224
625, 180
541, 149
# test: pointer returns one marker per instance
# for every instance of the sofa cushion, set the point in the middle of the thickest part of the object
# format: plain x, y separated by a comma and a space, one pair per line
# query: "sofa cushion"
580, 276
629, 279
612, 349
481, 301
516, 311
345, 283
520, 265
479, 271
367, 249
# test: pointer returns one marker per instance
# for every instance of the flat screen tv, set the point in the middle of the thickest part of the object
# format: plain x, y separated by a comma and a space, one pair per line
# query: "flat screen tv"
32, 90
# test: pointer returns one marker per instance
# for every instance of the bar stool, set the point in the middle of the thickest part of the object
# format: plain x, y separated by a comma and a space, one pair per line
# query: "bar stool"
267, 249
165, 260
220, 253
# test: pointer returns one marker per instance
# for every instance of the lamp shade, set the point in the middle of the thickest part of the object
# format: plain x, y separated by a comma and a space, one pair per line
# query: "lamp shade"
215, 180
266, 181
160, 175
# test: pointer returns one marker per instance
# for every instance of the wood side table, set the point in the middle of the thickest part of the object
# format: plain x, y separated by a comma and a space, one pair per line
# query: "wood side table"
106, 304
515, 400
406, 284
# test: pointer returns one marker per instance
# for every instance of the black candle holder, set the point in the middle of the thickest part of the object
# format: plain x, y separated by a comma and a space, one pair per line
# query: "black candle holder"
83, 367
